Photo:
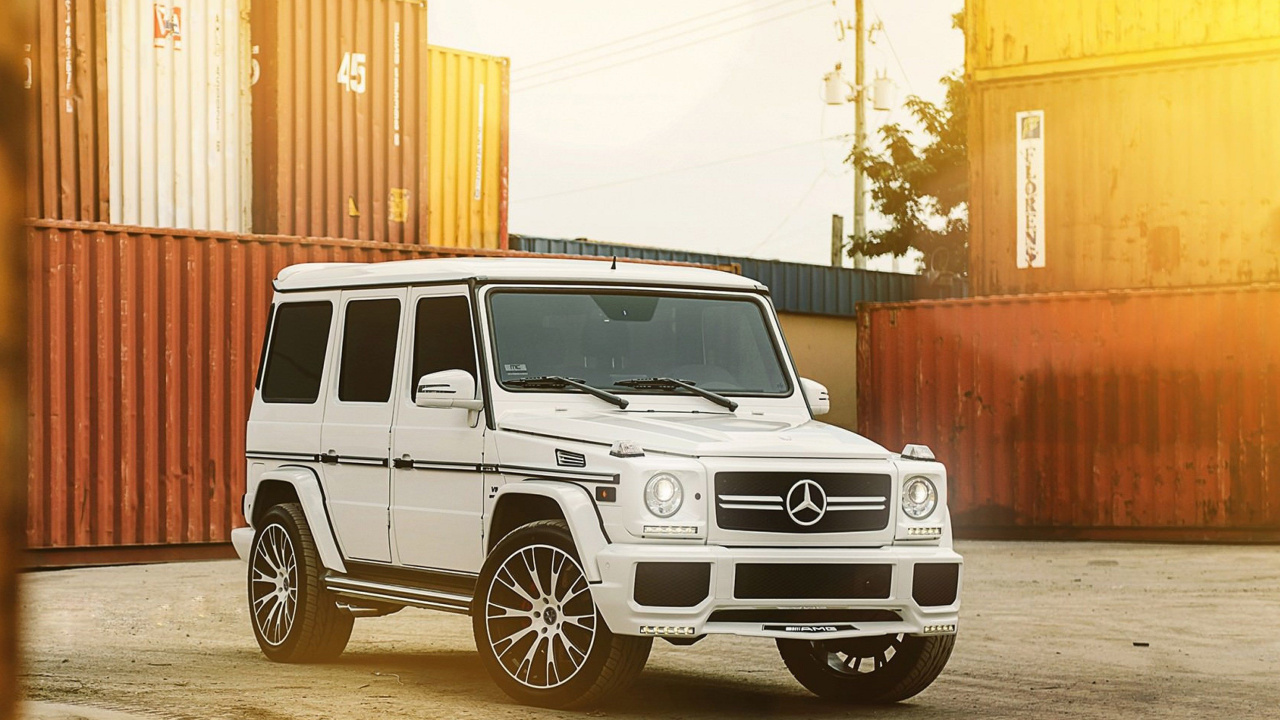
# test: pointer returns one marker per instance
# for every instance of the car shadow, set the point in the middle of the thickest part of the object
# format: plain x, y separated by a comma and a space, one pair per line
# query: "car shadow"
657, 693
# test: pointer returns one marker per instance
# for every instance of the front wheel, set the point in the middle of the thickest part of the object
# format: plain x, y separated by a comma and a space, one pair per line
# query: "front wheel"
867, 670
539, 633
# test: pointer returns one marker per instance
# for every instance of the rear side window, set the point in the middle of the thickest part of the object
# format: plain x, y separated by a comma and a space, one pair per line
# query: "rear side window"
295, 360
369, 350
442, 338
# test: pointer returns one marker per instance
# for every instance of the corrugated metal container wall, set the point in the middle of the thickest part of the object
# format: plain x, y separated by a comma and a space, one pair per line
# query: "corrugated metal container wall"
143, 346
1033, 36
178, 90
340, 119
795, 287
1124, 415
66, 78
1162, 177
468, 138
1160, 158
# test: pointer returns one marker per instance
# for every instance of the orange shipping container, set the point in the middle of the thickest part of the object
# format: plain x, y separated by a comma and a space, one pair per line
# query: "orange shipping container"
340, 118
65, 67
1143, 415
142, 349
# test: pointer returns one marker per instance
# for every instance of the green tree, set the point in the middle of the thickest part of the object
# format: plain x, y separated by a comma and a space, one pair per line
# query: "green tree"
922, 188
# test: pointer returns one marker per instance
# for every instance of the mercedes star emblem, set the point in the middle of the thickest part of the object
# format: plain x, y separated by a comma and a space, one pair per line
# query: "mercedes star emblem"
806, 502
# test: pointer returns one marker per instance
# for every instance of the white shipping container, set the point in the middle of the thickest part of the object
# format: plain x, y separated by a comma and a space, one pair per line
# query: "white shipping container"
178, 77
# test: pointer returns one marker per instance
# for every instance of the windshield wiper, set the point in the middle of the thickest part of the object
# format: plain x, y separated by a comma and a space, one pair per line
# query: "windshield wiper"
657, 383
557, 382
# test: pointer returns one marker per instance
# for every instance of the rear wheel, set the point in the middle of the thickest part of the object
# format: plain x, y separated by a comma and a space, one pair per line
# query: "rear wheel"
868, 670
539, 633
294, 618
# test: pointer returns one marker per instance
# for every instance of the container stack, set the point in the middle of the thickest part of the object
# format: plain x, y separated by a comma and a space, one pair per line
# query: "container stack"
181, 154
1117, 376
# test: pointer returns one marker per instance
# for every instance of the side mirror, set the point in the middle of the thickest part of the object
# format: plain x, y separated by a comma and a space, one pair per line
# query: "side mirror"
817, 395
448, 389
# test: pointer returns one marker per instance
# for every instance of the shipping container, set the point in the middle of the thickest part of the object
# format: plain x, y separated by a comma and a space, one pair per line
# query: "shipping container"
1143, 415
1015, 38
16, 22
795, 287
340, 119
1123, 145
64, 59
142, 351
467, 149
179, 120
1159, 177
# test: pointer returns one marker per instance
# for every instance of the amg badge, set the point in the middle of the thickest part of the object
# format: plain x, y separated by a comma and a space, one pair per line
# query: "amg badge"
808, 628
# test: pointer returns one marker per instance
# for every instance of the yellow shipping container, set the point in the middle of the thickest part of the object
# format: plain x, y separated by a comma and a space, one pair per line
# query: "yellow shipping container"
467, 148
1015, 38
1151, 159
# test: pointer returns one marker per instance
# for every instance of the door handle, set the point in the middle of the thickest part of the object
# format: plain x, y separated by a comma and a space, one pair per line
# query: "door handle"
402, 463
329, 458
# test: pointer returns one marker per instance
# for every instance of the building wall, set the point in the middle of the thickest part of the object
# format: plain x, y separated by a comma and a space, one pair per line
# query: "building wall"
1160, 156
824, 349
1150, 415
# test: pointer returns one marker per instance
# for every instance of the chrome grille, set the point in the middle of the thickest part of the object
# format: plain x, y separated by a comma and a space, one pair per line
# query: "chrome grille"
797, 502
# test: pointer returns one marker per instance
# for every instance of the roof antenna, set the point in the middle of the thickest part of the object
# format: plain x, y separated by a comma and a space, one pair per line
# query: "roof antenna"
614, 266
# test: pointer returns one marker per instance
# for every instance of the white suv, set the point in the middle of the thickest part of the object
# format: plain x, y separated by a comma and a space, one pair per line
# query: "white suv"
582, 457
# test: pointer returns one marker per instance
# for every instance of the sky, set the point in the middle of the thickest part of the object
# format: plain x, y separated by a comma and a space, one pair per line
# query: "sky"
693, 124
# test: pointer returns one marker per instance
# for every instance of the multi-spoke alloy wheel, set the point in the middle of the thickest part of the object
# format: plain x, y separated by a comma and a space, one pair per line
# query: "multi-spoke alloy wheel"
273, 584
537, 628
541, 622
294, 618
880, 669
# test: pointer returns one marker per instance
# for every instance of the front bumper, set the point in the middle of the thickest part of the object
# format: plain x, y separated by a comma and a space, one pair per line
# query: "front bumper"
615, 595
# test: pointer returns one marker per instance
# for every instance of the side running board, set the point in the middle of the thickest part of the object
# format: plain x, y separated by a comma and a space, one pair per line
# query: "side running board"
352, 588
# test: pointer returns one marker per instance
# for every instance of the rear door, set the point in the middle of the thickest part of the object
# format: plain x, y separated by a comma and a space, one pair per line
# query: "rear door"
356, 440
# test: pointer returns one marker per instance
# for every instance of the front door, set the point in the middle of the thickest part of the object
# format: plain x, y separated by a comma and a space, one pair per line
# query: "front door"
437, 493
356, 438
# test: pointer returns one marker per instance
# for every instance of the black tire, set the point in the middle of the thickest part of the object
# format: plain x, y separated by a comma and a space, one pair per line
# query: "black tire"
900, 666
609, 662
314, 629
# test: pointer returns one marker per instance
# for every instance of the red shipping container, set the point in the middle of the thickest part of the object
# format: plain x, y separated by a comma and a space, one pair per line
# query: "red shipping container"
1144, 415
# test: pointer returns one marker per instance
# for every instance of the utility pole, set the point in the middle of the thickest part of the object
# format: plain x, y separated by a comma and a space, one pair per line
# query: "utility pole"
859, 129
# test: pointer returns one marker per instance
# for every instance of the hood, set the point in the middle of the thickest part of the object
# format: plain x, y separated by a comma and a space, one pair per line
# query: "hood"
700, 434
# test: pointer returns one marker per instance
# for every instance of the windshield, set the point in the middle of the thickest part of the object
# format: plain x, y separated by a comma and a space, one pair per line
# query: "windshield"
602, 338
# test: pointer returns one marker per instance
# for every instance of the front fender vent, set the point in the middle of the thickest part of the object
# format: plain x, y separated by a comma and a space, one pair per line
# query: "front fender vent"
564, 458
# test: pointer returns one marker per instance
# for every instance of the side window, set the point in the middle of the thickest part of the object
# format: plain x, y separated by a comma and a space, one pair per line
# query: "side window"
442, 338
369, 350
295, 360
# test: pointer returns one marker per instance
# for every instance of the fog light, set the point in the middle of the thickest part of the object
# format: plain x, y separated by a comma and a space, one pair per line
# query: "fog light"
948, 629
924, 531
670, 529
663, 630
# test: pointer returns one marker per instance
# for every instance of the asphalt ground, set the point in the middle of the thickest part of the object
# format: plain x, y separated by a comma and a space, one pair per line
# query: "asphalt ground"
1048, 630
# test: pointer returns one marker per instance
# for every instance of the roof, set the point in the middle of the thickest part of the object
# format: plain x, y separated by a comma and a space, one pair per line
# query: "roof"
315, 276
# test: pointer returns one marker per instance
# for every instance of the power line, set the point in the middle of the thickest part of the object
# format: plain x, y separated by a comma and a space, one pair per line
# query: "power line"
892, 49
636, 36
686, 168
795, 208
669, 49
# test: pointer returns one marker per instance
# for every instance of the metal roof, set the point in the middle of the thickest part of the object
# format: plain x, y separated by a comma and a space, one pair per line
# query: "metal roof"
314, 276
795, 287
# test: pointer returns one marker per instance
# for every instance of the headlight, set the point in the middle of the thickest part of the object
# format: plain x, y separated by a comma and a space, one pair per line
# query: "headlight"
663, 495
919, 498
